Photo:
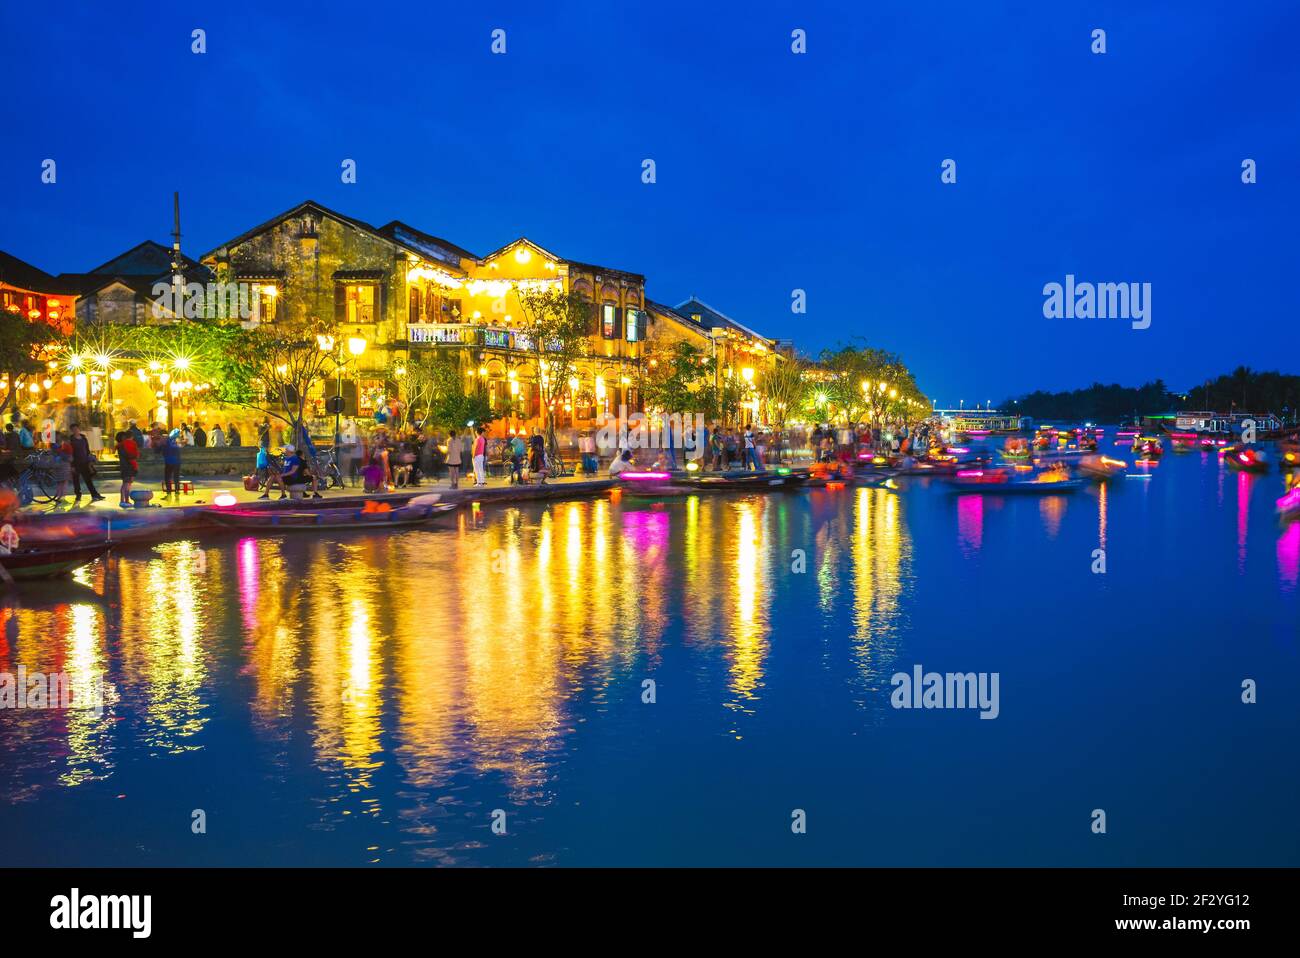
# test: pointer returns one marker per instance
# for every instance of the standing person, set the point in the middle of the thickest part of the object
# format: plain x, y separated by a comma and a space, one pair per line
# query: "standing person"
171, 453
232, 436
518, 449
751, 453
25, 438
218, 437
136, 434
264, 433
200, 435
82, 466
480, 457
128, 461
453, 459
11, 439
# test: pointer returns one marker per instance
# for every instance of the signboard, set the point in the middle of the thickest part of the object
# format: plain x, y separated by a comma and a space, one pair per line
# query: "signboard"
500, 338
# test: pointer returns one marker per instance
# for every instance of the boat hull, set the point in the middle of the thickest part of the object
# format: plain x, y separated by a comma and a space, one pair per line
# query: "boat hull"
50, 563
1018, 488
284, 520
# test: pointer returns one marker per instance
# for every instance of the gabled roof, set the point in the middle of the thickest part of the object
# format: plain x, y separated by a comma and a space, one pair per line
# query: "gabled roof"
674, 314
143, 285
140, 260
24, 275
713, 317
305, 206
432, 246
534, 246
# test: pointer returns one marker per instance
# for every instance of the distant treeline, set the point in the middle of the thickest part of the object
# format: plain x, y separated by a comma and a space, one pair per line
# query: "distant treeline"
1243, 389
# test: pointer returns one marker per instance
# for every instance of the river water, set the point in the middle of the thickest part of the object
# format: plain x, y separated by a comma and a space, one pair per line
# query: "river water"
385, 699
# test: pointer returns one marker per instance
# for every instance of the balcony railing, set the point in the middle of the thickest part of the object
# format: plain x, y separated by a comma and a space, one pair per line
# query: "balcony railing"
463, 334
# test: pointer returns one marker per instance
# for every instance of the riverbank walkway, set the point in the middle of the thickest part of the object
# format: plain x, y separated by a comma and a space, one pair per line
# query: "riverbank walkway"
204, 490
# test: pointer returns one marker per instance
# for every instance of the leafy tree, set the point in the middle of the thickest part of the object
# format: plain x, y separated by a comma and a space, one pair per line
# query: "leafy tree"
285, 359
25, 349
457, 409
677, 379
785, 388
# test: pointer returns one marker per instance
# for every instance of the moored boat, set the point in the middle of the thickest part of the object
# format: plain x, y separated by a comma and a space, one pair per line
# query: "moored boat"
277, 520
48, 562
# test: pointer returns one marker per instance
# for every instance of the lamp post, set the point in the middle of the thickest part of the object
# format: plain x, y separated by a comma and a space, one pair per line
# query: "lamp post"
356, 346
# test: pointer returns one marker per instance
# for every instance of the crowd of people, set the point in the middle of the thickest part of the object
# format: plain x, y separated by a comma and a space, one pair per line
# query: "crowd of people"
387, 457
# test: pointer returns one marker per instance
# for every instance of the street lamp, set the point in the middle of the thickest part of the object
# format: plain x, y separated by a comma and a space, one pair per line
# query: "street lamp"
356, 346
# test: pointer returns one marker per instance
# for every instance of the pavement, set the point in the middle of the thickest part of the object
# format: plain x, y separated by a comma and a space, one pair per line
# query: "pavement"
205, 489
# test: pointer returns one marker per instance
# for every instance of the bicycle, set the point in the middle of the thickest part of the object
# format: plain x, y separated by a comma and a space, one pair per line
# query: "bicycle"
34, 481
327, 470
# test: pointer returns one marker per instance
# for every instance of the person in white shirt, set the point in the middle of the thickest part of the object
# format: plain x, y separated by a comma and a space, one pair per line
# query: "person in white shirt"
217, 437
621, 463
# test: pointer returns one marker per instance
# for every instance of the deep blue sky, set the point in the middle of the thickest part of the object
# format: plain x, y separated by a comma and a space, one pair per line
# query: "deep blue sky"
775, 171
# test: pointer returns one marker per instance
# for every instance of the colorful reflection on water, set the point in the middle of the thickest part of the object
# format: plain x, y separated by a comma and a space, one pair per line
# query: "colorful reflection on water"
374, 699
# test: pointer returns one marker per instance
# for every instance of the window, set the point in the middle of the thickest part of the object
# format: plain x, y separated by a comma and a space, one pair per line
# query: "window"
438, 308
413, 313
609, 321
360, 304
695, 317
635, 325
266, 297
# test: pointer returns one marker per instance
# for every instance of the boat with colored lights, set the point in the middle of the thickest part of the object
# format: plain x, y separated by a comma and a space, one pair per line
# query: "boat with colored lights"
1147, 447
1244, 459
1288, 507
999, 482
1102, 468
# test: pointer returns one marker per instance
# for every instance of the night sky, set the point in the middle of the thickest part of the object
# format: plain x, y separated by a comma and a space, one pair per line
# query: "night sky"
775, 171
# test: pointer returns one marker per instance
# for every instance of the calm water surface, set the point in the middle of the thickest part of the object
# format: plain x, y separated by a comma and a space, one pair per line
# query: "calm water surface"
373, 699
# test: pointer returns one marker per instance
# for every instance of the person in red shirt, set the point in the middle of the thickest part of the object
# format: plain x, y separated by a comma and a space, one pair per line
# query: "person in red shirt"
128, 461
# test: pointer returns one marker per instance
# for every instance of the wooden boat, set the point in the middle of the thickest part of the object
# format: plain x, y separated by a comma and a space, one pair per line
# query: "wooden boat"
1147, 447
1244, 459
49, 562
280, 520
1103, 468
652, 485
738, 480
993, 484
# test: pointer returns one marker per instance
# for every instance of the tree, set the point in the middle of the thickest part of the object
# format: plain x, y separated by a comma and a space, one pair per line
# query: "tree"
676, 379
457, 409
870, 383
26, 347
428, 377
286, 358
555, 329
784, 386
